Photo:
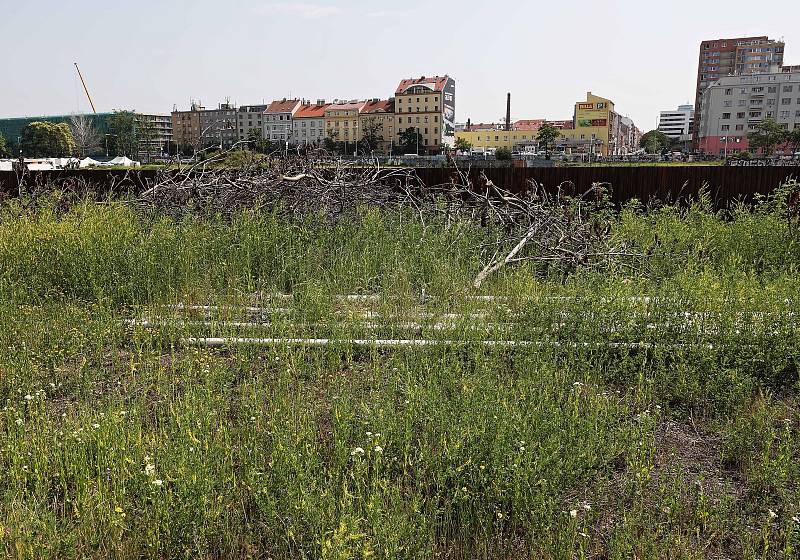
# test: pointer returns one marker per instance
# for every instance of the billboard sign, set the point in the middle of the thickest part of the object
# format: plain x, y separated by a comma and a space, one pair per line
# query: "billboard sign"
449, 108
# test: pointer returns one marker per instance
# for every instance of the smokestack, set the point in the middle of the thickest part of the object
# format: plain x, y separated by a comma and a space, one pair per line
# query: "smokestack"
508, 112
469, 125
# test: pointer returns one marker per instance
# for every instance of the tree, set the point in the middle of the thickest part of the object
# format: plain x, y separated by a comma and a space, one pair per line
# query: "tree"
87, 140
793, 138
655, 142
766, 136
257, 142
502, 153
122, 131
546, 136
463, 145
47, 139
3, 147
410, 140
371, 135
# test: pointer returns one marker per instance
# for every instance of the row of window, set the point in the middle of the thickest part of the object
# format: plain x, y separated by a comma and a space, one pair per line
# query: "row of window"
435, 99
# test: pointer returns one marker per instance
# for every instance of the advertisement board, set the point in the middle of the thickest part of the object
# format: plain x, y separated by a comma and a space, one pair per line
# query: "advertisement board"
449, 108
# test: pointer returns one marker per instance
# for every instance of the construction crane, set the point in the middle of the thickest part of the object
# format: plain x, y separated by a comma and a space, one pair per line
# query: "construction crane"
85, 88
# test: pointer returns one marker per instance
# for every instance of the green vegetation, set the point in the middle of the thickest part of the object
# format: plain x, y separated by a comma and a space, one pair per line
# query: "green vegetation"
463, 145
3, 147
656, 142
122, 440
46, 139
546, 136
768, 135
503, 153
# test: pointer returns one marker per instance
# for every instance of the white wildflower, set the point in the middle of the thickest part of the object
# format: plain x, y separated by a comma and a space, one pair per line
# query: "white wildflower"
158, 482
378, 449
149, 469
19, 421
357, 451
95, 426
573, 513
369, 434
252, 418
772, 514
28, 398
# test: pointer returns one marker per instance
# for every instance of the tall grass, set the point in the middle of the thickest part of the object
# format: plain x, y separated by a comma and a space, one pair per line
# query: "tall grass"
121, 441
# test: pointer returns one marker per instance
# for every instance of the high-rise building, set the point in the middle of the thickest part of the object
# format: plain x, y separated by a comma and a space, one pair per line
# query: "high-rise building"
726, 57
428, 105
734, 105
678, 124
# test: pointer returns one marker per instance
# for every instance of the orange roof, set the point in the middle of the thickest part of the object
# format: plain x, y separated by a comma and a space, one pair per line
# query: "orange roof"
311, 111
530, 125
345, 106
435, 83
283, 106
379, 106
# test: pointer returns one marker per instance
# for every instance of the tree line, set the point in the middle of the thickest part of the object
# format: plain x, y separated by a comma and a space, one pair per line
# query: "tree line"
126, 134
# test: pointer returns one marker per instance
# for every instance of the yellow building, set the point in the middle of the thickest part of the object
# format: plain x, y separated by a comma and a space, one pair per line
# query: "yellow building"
593, 119
498, 138
341, 121
377, 119
426, 105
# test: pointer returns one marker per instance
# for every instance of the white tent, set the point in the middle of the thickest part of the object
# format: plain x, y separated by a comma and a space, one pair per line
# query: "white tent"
39, 165
88, 162
123, 161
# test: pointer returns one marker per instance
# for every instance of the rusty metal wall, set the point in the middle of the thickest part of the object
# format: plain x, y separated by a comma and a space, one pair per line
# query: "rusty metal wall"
667, 183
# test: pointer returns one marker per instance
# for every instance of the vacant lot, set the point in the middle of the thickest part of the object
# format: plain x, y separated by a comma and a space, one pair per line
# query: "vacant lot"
206, 388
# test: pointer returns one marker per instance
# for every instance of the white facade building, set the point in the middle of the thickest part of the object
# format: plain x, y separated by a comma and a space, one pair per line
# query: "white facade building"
678, 124
278, 120
308, 123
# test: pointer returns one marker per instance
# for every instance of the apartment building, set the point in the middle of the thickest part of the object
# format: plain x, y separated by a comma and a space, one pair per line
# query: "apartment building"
377, 117
732, 106
186, 127
155, 134
342, 122
278, 120
719, 58
218, 126
308, 123
249, 118
426, 104
678, 124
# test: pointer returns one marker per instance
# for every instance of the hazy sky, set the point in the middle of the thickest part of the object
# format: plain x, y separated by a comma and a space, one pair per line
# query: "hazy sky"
149, 55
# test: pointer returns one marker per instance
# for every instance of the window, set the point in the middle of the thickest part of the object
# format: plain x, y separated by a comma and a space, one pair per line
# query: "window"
755, 114
787, 89
772, 89
785, 114
739, 127
742, 102
726, 127
770, 102
786, 101
726, 115
757, 89
728, 91
740, 115
728, 104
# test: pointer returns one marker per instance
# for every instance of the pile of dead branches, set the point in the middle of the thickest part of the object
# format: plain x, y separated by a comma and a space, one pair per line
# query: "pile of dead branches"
558, 230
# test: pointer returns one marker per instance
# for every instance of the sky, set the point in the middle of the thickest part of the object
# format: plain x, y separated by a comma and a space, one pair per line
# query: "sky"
152, 55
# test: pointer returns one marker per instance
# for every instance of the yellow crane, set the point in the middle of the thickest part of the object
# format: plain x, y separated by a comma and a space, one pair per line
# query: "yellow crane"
85, 88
